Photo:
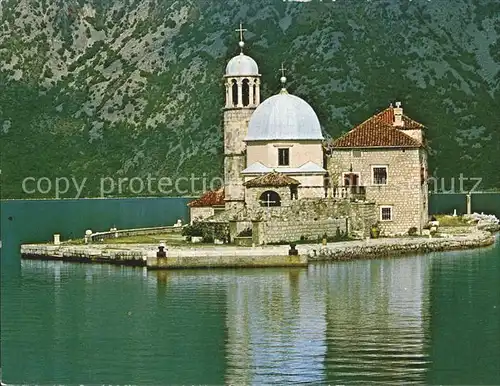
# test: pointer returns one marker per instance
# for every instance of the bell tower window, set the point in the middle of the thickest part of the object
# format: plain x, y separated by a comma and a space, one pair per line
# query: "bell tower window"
234, 92
246, 92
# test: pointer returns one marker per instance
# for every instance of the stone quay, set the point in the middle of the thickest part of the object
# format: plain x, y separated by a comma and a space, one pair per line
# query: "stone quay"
222, 256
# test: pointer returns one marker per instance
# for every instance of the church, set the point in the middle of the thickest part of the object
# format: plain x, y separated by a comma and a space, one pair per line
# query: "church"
284, 182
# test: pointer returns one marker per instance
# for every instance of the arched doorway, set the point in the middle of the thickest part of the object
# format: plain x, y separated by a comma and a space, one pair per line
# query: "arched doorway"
270, 198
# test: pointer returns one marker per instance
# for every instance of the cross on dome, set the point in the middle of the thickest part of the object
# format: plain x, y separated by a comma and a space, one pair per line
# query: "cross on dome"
283, 77
241, 30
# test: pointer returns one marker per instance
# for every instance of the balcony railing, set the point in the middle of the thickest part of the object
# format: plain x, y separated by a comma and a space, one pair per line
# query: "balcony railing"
348, 192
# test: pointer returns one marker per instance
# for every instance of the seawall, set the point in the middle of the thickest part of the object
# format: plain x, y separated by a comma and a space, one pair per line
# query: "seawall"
177, 257
260, 256
380, 248
85, 254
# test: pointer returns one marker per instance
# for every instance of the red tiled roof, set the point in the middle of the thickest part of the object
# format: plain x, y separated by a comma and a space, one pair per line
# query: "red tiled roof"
378, 131
274, 179
387, 116
210, 198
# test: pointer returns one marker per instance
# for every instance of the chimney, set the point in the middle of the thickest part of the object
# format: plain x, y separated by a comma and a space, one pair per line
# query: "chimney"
398, 115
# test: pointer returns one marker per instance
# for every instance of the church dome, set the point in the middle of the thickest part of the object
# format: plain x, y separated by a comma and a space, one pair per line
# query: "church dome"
284, 117
242, 65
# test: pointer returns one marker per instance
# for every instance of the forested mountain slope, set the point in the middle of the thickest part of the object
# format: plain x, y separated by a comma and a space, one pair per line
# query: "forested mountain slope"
96, 88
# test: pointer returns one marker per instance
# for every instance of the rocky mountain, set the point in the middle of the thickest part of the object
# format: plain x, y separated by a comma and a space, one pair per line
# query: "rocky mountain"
125, 88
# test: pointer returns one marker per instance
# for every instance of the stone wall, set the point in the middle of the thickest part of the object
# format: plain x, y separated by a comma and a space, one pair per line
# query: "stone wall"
309, 214
235, 227
84, 254
405, 191
275, 231
391, 247
200, 213
244, 257
313, 191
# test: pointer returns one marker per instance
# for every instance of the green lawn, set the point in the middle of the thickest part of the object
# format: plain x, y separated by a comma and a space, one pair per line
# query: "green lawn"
451, 221
167, 238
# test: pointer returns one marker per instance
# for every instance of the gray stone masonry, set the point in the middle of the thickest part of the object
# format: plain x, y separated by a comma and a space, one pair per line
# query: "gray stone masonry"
235, 130
405, 189
274, 231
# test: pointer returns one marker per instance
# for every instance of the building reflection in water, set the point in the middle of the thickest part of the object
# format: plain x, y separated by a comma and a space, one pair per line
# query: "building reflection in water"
360, 321
377, 320
275, 328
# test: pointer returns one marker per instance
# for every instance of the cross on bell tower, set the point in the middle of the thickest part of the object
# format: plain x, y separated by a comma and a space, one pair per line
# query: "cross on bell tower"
241, 30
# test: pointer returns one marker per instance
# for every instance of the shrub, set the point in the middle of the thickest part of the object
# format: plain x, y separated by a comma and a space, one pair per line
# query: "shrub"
412, 231
375, 231
193, 230
209, 231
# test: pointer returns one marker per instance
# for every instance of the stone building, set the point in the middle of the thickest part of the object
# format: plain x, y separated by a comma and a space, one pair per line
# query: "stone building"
284, 181
384, 158
209, 204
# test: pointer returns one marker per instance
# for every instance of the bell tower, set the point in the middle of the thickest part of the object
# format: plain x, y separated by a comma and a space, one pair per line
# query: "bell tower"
242, 82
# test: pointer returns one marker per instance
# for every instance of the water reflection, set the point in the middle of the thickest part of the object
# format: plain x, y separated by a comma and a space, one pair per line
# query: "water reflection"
377, 317
363, 321
276, 329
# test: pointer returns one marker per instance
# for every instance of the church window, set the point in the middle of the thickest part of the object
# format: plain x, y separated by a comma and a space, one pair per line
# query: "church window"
270, 198
234, 89
283, 157
379, 175
245, 92
386, 213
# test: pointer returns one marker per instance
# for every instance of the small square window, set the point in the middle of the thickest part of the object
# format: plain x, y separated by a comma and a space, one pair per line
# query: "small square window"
386, 213
379, 175
283, 157
356, 153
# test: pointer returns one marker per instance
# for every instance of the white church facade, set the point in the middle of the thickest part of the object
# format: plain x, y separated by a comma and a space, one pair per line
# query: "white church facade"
280, 173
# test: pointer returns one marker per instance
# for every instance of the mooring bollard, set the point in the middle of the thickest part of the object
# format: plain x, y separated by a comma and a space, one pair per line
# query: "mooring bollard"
88, 234
57, 239
293, 251
161, 252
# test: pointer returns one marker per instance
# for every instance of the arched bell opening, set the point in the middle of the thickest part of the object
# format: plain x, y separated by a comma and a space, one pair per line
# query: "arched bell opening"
245, 90
234, 92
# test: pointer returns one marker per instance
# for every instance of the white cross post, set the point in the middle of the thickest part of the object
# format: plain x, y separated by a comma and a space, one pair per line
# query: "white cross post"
283, 77
282, 69
241, 30
268, 203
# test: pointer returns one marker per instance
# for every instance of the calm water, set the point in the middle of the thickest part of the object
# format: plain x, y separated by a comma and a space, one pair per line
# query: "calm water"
431, 319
